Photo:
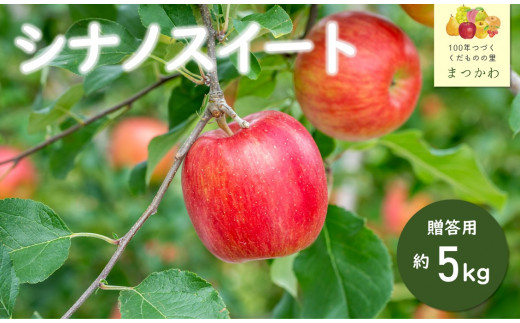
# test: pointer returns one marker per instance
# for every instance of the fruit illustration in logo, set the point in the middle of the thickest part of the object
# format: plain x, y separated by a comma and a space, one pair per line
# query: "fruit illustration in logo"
260, 193
373, 93
461, 15
452, 27
422, 13
481, 29
481, 15
493, 22
467, 30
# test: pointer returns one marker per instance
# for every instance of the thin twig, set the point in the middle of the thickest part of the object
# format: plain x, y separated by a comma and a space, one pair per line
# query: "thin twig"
151, 210
217, 103
313, 14
90, 120
179, 157
515, 83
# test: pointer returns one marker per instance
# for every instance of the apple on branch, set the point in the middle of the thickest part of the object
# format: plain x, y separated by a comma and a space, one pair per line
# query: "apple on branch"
373, 92
260, 193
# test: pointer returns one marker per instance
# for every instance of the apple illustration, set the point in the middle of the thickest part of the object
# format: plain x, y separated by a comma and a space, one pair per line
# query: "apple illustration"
19, 181
260, 193
129, 144
373, 93
467, 30
422, 13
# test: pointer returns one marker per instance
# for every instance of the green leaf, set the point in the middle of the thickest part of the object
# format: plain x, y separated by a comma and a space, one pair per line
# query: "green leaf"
137, 181
167, 16
62, 158
101, 77
282, 274
185, 100
275, 20
514, 118
9, 284
36, 316
161, 145
254, 65
346, 273
325, 144
37, 239
39, 120
70, 59
172, 294
127, 15
457, 166
263, 86
287, 308
82, 11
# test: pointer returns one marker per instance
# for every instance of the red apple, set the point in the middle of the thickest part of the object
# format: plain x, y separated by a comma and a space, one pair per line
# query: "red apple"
422, 13
260, 193
373, 93
129, 144
398, 208
467, 30
424, 311
19, 181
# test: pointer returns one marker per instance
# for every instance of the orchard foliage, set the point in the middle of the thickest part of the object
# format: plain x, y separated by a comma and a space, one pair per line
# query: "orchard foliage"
346, 273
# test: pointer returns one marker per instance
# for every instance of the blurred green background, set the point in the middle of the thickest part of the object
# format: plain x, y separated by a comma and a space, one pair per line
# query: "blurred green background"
95, 198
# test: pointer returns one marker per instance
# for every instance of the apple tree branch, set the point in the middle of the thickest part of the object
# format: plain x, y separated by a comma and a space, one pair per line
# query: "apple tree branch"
216, 107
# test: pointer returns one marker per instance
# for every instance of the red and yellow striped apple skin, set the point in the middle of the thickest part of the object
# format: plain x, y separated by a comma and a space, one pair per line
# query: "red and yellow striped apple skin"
261, 193
373, 93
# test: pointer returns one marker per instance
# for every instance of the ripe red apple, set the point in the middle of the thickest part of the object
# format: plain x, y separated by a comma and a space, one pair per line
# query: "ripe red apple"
260, 193
467, 30
129, 144
398, 207
422, 13
17, 182
424, 311
373, 93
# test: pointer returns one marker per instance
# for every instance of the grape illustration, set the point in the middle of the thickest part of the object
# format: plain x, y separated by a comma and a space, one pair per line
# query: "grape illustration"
461, 14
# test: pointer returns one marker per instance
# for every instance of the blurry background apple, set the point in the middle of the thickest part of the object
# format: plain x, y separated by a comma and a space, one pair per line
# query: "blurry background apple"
373, 93
398, 207
261, 193
19, 181
129, 144
422, 13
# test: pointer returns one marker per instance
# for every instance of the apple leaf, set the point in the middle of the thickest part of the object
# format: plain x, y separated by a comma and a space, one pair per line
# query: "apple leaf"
39, 120
137, 181
172, 294
346, 273
161, 145
457, 166
62, 158
9, 284
101, 77
36, 238
282, 274
83, 11
275, 20
254, 65
514, 118
127, 15
185, 100
287, 308
325, 144
70, 59
167, 16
